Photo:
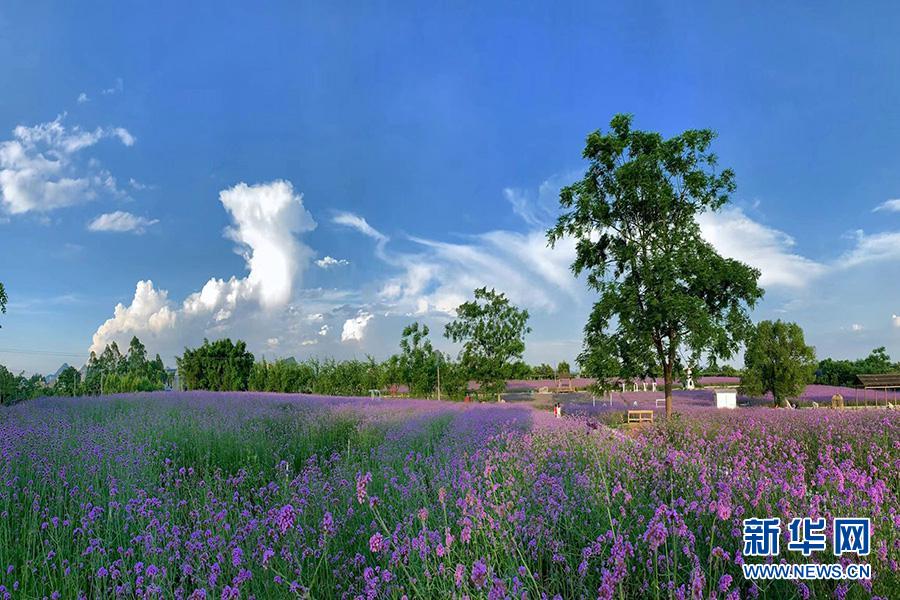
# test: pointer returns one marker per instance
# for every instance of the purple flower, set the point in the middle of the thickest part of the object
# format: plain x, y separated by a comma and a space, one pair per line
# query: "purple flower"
479, 572
285, 518
328, 523
376, 543
267, 555
459, 575
230, 593
362, 484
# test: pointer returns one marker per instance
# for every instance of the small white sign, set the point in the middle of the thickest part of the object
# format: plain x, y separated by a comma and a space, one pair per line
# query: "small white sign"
726, 399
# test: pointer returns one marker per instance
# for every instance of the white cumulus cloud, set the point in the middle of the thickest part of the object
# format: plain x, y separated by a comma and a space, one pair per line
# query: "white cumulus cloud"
40, 169
121, 221
266, 219
355, 328
149, 312
327, 262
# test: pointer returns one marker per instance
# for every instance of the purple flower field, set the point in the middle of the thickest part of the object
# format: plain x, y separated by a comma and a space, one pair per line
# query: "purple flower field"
203, 495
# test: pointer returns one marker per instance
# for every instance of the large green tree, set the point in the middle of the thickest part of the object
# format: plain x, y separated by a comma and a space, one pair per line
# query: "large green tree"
492, 331
221, 365
418, 360
663, 289
777, 361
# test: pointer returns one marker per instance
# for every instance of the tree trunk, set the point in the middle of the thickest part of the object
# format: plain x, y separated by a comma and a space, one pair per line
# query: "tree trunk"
667, 378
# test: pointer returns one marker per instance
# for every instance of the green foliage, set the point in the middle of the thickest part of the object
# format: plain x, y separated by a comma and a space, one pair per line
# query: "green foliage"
218, 366
844, 372
492, 331
112, 373
519, 370
543, 371
68, 382
599, 358
563, 369
282, 376
777, 361
662, 287
16, 388
418, 361
328, 377
454, 379
129, 382
713, 369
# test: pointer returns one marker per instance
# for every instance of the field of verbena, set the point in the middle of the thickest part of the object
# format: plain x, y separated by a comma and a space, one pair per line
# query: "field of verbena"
248, 495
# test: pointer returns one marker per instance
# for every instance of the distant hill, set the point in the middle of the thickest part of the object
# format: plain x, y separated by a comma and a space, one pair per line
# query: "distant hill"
54, 376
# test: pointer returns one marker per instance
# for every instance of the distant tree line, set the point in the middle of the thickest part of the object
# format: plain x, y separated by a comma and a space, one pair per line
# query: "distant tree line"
112, 372
844, 372
17, 387
490, 329
109, 373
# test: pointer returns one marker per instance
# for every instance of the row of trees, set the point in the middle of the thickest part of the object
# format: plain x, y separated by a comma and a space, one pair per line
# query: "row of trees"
666, 297
17, 387
490, 329
844, 372
110, 372
113, 372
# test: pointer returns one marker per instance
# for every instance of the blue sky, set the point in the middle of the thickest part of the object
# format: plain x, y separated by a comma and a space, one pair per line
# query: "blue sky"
421, 149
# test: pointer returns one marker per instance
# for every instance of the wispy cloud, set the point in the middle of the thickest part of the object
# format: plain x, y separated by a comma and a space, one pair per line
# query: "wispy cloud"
121, 222
117, 88
770, 250
888, 205
870, 248
359, 224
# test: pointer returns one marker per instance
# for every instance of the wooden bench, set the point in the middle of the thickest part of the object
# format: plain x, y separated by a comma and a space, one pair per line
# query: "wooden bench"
660, 402
640, 416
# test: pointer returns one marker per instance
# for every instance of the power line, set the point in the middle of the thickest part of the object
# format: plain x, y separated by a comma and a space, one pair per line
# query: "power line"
39, 352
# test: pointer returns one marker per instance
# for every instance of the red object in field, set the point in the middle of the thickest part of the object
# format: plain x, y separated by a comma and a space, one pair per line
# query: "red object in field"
468, 398
557, 410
